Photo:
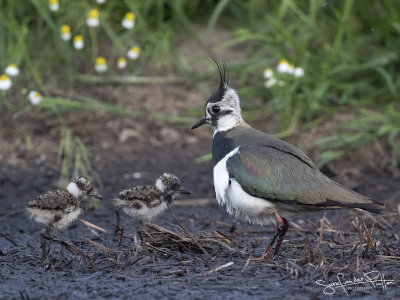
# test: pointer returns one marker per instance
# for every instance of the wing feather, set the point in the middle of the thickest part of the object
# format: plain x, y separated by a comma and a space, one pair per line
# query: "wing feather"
270, 173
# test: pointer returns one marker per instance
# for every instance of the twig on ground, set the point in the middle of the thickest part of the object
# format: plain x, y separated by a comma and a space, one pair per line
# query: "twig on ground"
87, 223
219, 268
104, 248
187, 232
9, 239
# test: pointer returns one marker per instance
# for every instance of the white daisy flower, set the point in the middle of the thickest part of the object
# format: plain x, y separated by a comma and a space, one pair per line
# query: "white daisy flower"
268, 73
129, 21
66, 32
270, 82
284, 67
93, 18
101, 64
298, 72
12, 70
122, 63
78, 42
34, 97
54, 5
133, 53
101, 1
5, 82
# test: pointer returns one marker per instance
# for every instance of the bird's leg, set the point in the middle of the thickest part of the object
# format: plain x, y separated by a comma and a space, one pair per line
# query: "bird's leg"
281, 228
45, 244
48, 237
119, 230
139, 230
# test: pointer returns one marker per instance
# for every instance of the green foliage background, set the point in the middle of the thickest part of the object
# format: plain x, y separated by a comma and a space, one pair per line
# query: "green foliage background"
348, 49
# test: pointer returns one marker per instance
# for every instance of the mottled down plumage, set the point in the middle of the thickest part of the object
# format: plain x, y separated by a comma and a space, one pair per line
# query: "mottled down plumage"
144, 203
139, 196
57, 200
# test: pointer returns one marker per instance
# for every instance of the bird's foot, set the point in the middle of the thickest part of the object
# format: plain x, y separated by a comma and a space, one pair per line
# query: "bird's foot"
46, 262
68, 245
138, 241
265, 256
281, 228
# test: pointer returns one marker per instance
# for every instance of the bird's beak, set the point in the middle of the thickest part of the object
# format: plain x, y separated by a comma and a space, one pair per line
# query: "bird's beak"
200, 122
95, 195
183, 190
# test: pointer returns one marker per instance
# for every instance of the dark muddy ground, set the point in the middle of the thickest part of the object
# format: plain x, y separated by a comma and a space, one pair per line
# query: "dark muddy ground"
320, 246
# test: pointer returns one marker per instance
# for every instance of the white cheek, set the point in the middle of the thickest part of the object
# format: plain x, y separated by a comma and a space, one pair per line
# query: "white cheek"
73, 189
160, 185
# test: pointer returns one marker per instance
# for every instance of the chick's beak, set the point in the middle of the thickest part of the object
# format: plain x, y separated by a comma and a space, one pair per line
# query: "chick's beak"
95, 195
200, 122
183, 190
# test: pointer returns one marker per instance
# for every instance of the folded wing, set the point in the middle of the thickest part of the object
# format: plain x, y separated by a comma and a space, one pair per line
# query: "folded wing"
270, 173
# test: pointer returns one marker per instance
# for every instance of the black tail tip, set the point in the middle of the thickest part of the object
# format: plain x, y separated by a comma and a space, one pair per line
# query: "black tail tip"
375, 207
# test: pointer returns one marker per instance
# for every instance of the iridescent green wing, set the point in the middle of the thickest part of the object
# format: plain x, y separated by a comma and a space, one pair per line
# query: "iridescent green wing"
270, 173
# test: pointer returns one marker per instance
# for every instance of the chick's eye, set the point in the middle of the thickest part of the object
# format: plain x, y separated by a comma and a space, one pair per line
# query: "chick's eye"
215, 109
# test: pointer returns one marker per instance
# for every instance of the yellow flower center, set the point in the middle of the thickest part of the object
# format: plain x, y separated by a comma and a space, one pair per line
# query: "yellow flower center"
130, 16
101, 61
291, 66
3, 77
78, 38
53, 1
12, 65
121, 60
65, 29
268, 69
36, 95
135, 49
93, 14
283, 61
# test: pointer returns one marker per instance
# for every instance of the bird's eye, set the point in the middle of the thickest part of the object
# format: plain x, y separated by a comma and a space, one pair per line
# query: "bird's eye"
216, 109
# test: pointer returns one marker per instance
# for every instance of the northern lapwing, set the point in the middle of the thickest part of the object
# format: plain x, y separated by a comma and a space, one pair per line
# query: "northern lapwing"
258, 176
144, 203
57, 209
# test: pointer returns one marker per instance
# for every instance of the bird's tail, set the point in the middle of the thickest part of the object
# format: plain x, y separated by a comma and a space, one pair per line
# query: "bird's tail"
344, 197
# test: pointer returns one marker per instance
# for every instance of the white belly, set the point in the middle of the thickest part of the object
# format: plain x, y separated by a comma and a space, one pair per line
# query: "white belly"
252, 209
239, 203
47, 216
68, 218
145, 213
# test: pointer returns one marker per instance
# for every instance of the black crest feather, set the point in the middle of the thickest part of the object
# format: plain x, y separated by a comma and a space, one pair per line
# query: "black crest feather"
223, 84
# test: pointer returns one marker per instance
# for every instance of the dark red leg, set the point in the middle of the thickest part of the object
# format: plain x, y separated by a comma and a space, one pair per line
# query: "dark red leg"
281, 228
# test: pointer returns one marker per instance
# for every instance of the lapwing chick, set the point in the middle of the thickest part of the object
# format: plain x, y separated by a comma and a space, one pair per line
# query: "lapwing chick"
257, 176
57, 209
144, 203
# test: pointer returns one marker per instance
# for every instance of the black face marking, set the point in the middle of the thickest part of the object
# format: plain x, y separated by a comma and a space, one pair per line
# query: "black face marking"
226, 112
218, 95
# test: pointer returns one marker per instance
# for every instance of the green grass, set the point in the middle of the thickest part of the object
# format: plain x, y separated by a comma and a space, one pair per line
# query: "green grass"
349, 51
